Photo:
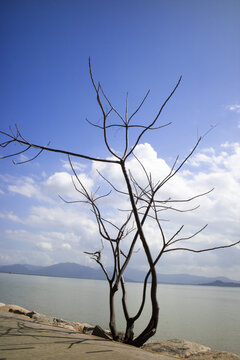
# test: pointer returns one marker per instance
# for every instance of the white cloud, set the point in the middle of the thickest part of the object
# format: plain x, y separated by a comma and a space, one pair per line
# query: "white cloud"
44, 246
26, 256
66, 246
18, 235
10, 216
235, 108
60, 227
62, 218
62, 183
158, 167
47, 189
56, 239
76, 165
41, 247
26, 186
23, 158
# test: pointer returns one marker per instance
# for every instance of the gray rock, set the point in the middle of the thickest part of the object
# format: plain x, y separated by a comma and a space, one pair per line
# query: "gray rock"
48, 320
98, 331
88, 329
176, 347
215, 355
80, 326
15, 309
64, 324
188, 350
30, 314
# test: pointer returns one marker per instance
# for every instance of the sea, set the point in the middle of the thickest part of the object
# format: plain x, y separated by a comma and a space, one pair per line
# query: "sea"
207, 315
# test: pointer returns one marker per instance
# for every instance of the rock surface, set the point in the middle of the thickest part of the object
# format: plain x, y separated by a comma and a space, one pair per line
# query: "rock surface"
176, 347
14, 309
184, 349
98, 331
48, 320
216, 355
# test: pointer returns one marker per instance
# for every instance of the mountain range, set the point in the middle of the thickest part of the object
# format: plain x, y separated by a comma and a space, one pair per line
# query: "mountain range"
73, 270
68, 270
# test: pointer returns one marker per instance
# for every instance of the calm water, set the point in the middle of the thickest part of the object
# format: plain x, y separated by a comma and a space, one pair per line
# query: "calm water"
207, 315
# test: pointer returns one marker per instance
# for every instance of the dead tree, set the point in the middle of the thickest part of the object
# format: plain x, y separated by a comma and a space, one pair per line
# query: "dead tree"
144, 204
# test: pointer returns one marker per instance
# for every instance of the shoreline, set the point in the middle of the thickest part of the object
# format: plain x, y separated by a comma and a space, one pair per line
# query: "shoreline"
178, 348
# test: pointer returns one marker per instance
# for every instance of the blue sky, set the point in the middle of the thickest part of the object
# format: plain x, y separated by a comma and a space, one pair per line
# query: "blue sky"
134, 46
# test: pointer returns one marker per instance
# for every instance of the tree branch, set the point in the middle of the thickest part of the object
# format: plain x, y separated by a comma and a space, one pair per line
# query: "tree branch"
204, 250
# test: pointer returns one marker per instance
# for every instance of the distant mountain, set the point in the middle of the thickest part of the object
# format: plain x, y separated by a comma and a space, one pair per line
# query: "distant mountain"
73, 270
69, 270
222, 284
184, 279
188, 279
19, 268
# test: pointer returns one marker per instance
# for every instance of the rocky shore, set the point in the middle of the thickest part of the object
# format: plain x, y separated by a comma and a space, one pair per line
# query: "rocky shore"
180, 349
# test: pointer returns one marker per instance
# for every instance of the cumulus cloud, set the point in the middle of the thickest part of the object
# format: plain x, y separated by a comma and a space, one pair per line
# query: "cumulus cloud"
62, 183
26, 186
220, 209
62, 227
62, 218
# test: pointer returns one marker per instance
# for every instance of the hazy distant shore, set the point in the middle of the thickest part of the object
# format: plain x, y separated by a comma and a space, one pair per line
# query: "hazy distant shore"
77, 271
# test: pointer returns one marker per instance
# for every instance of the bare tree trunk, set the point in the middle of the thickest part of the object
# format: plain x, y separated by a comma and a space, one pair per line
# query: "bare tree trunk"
112, 321
129, 333
151, 328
